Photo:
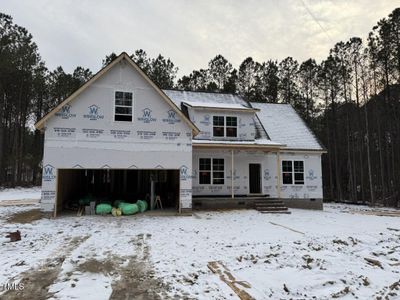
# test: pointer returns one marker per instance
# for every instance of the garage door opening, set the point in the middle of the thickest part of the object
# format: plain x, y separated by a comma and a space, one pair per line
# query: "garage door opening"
110, 185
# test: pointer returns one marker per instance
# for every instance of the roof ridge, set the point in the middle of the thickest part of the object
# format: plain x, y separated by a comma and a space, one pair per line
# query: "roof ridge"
204, 92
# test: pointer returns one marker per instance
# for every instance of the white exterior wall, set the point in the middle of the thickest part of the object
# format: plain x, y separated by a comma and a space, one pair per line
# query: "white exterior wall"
203, 119
78, 138
312, 187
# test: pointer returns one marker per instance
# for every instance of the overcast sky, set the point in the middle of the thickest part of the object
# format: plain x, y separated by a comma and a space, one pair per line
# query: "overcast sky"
71, 33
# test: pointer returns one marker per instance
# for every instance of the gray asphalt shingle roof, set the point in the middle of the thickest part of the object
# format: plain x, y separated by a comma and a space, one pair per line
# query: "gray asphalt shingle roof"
284, 125
207, 99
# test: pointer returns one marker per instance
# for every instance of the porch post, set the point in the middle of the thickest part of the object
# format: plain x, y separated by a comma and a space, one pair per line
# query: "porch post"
278, 170
232, 180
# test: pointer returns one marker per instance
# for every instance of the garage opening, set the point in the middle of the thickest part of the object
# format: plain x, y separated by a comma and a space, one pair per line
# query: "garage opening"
110, 185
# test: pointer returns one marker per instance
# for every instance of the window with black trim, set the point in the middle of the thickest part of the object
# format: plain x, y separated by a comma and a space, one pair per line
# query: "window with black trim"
218, 126
123, 106
211, 171
292, 172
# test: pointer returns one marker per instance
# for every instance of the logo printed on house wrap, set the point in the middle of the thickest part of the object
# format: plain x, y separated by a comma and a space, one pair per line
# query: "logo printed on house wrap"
147, 117
48, 173
206, 120
93, 114
65, 112
311, 175
171, 117
267, 176
184, 173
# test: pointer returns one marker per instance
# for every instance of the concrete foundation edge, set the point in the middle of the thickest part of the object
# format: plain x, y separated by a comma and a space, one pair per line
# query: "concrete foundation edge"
243, 203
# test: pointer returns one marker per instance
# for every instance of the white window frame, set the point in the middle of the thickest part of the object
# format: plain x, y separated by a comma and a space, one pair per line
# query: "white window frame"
230, 126
114, 106
212, 171
225, 126
293, 172
208, 171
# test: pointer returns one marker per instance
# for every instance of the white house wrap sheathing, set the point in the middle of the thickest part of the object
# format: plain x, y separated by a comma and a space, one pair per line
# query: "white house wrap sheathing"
83, 134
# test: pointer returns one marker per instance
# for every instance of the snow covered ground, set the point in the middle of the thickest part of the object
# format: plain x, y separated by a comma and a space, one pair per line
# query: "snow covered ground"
12, 196
149, 257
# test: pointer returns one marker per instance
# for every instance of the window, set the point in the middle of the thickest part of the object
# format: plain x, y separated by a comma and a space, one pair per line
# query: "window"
219, 128
205, 171
298, 172
218, 171
231, 126
211, 171
287, 172
123, 106
293, 172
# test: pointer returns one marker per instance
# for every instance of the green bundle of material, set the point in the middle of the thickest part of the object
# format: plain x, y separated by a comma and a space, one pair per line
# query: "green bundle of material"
128, 208
85, 200
142, 204
103, 209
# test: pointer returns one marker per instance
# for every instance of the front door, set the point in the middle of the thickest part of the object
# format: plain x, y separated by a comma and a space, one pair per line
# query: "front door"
255, 178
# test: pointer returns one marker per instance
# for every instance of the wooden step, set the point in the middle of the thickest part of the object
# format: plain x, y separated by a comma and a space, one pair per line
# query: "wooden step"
267, 201
265, 205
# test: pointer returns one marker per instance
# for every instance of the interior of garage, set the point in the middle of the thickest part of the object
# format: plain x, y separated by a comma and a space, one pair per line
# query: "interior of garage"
111, 185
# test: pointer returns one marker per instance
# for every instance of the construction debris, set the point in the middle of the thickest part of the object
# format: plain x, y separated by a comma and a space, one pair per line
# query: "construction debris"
379, 213
374, 262
14, 236
294, 230
226, 276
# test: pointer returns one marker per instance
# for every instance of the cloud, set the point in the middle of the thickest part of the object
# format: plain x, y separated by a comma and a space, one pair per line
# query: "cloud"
192, 32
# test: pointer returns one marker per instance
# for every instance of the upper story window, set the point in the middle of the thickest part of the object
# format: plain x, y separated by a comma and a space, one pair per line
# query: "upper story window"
293, 171
231, 126
224, 126
218, 126
123, 106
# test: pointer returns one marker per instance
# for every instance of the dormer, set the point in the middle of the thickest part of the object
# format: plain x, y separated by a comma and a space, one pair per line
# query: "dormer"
219, 117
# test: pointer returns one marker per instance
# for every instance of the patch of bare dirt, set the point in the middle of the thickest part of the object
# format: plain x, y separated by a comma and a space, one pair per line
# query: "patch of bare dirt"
95, 266
138, 280
37, 281
26, 216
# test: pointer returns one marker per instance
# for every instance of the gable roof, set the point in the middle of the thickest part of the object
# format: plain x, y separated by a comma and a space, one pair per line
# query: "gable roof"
123, 56
284, 125
207, 100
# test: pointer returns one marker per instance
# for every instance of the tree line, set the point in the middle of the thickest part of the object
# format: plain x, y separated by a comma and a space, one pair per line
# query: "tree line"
350, 100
